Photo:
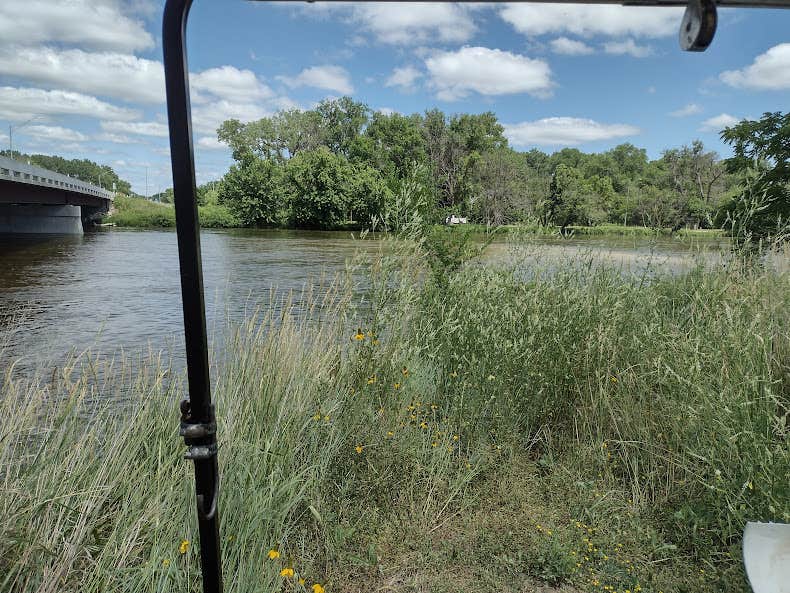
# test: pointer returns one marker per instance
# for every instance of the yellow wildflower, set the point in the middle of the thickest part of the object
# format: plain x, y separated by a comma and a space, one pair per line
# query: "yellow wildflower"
166, 562
397, 386
359, 336
423, 425
358, 449
317, 588
390, 433
433, 444
182, 549
273, 554
288, 573
455, 437
613, 379
371, 379
317, 416
301, 581
453, 374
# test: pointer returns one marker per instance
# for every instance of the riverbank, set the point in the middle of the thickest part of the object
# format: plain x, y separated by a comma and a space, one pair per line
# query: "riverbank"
479, 433
141, 213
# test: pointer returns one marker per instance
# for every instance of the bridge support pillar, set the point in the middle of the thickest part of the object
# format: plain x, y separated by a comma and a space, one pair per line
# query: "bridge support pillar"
41, 219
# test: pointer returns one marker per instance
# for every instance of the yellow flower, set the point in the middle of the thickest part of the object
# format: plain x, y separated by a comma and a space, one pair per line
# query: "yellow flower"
317, 588
358, 449
453, 374
273, 554
397, 386
613, 379
456, 437
182, 549
390, 433
166, 562
359, 336
423, 425
317, 416
301, 581
288, 573
371, 379
491, 377
433, 444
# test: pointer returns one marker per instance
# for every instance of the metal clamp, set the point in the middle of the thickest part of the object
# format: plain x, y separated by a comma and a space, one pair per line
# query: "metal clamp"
200, 437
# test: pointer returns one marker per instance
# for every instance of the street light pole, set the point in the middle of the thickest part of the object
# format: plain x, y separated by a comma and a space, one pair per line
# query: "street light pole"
11, 129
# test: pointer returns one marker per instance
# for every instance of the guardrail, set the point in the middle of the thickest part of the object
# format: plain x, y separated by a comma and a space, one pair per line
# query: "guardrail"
21, 172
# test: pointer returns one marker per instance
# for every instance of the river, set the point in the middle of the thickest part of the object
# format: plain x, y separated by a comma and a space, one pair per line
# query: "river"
119, 289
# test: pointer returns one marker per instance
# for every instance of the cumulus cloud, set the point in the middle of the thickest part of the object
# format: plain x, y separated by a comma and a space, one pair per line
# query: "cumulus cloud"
718, 123
570, 47
211, 143
99, 73
404, 78
208, 117
144, 128
769, 71
55, 133
22, 103
690, 109
590, 20
627, 47
402, 23
88, 23
454, 74
229, 83
564, 131
330, 78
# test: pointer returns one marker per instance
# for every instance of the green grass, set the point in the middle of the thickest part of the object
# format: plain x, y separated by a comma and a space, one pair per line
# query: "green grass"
141, 213
601, 229
490, 431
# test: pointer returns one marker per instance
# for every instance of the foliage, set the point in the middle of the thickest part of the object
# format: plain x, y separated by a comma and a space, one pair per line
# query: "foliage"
760, 213
254, 192
474, 173
142, 213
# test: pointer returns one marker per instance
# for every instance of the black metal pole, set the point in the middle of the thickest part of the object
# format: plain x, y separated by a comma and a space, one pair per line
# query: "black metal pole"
198, 424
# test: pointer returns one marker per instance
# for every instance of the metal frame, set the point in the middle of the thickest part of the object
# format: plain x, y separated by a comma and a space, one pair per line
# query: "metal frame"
198, 424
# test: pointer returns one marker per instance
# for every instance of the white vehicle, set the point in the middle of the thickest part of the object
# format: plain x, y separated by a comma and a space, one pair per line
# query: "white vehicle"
454, 219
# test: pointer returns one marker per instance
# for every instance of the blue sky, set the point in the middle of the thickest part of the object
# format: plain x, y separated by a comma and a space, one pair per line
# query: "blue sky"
89, 73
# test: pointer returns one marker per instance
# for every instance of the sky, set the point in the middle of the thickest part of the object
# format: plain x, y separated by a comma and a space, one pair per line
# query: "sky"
84, 78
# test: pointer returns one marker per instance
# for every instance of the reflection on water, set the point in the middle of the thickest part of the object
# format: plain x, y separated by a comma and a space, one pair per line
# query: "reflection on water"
119, 289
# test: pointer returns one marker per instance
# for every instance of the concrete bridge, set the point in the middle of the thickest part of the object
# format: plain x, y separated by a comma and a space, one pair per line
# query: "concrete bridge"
36, 200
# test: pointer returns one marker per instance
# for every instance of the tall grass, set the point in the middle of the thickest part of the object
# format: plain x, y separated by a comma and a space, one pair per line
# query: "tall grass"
673, 391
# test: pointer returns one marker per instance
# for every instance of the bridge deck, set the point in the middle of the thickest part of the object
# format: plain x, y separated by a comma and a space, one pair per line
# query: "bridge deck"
20, 172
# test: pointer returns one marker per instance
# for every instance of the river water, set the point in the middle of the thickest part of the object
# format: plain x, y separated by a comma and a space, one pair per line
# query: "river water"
119, 289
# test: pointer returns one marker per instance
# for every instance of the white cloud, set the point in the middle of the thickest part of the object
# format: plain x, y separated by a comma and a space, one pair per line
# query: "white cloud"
211, 143
99, 73
769, 71
207, 118
454, 74
690, 109
718, 123
229, 83
589, 20
564, 131
627, 47
22, 103
570, 47
330, 78
144, 128
54, 133
404, 78
88, 23
405, 23
116, 138
386, 110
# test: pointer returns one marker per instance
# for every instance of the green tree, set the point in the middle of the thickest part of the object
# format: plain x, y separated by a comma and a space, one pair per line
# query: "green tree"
253, 191
342, 121
761, 210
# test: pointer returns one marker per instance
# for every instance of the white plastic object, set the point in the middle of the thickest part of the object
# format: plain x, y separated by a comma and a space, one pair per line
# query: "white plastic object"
766, 555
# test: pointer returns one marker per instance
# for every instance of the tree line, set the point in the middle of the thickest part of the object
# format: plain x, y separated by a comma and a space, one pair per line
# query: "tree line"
343, 163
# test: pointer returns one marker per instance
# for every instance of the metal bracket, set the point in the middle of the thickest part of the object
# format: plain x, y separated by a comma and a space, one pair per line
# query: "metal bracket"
200, 437
699, 25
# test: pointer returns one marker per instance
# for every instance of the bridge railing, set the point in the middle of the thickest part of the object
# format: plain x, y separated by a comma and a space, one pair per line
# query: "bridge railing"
21, 172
